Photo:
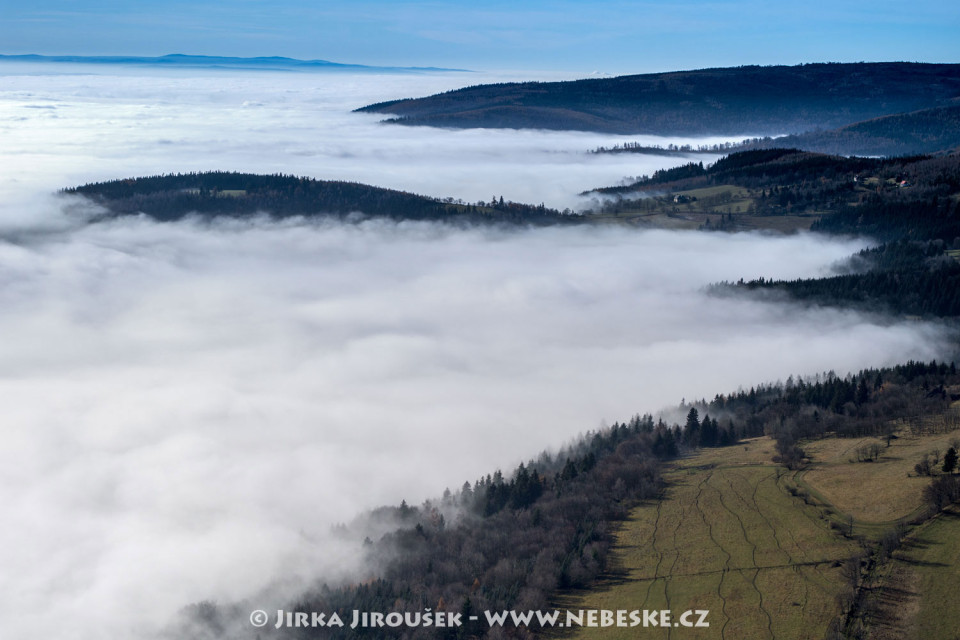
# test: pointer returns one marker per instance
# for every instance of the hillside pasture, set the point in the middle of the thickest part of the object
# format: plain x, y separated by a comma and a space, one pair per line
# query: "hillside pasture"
731, 540
884, 490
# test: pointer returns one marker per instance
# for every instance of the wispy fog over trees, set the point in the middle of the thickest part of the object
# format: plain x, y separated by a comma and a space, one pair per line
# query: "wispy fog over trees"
516, 541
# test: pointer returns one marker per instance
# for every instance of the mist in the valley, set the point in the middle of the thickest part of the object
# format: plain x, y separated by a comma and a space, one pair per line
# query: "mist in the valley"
189, 407
64, 130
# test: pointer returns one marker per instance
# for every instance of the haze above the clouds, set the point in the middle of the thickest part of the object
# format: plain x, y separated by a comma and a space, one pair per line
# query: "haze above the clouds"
189, 406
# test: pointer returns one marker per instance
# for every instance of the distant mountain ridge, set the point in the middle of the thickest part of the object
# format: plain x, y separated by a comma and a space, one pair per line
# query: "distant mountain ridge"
724, 101
218, 62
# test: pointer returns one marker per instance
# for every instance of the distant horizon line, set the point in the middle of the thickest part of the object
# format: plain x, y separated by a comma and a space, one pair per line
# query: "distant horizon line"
285, 63
226, 62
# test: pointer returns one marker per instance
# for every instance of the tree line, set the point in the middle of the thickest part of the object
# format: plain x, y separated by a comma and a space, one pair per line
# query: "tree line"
912, 278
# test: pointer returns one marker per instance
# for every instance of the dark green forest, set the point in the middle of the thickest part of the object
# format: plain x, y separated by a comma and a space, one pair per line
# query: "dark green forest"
917, 132
924, 131
911, 205
219, 193
909, 278
768, 100
913, 197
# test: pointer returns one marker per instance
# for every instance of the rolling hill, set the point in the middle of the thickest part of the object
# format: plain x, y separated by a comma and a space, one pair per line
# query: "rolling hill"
726, 101
924, 131
928, 131
220, 193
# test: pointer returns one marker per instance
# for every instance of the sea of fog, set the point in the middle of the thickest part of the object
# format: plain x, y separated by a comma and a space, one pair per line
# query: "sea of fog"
188, 407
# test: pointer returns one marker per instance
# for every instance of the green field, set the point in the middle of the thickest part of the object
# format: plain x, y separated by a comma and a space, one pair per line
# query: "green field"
916, 597
731, 540
769, 552
835, 478
723, 206
936, 555
694, 221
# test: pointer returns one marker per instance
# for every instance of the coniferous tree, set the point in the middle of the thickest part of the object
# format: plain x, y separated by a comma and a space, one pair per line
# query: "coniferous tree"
950, 460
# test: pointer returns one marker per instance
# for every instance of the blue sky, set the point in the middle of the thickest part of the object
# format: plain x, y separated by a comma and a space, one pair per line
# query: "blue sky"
601, 35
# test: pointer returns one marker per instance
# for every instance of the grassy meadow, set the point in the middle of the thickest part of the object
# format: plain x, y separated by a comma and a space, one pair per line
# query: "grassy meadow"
729, 539
773, 553
704, 207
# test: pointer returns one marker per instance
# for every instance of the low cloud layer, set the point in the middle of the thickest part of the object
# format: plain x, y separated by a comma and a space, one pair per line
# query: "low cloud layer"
79, 128
188, 407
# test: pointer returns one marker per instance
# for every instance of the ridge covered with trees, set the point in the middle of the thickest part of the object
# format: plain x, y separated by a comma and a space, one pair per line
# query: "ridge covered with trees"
220, 193
912, 197
768, 100
910, 204
909, 278
925, 131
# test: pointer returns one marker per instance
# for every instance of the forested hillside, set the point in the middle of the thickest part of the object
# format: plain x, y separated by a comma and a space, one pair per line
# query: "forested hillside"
218, 193
515, 541
918, 132
911, 204
743, 100
911, 197
925, 131
921, 279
